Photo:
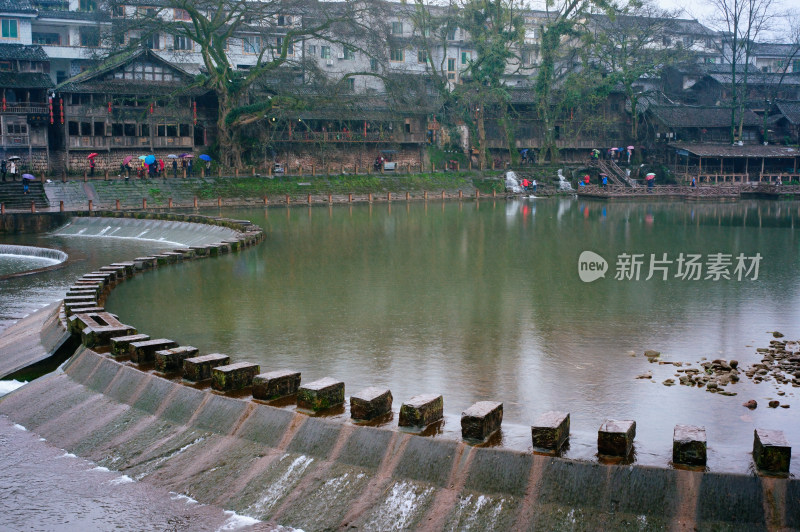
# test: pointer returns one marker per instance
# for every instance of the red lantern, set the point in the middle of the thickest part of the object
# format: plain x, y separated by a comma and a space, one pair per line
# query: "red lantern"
61, 104
194, 112
151, 107
109, 107
50, 106
4, 102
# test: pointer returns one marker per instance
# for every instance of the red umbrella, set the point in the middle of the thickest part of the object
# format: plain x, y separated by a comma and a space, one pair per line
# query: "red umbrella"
127, 159
91, 156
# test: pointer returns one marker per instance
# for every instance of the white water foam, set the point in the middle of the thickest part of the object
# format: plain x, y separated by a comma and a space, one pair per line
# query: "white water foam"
124, 479
9, 386
237, 521
282, 485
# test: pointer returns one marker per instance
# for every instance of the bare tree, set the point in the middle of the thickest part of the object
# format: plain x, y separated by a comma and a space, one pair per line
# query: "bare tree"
741, 23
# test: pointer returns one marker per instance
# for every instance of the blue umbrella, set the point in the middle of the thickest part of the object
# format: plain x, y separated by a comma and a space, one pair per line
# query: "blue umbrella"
28, 176
206, 157
150, 159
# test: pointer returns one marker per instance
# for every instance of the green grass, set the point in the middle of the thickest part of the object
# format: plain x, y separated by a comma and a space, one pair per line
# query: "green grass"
256, 187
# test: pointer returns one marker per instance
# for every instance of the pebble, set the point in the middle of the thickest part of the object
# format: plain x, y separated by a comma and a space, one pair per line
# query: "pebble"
751, 404
774, 404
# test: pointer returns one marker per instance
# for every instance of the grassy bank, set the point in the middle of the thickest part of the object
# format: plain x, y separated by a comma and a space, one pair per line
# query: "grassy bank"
254, 187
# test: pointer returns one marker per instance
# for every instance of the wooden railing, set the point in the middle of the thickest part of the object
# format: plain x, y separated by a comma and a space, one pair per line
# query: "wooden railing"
25, 107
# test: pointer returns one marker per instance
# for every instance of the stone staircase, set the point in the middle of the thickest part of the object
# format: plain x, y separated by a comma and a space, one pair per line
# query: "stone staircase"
615, 174
13, 198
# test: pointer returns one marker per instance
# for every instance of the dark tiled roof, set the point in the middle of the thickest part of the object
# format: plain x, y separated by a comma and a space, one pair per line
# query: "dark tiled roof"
92, 16
25, 80
92, 80
142, 88
791, 110
687, 116
16, 6
774, 49
727, 150
22, 52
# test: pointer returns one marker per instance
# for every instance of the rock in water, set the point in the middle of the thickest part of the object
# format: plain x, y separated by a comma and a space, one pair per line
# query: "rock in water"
774, 404
751, 404
776, 334
651, 353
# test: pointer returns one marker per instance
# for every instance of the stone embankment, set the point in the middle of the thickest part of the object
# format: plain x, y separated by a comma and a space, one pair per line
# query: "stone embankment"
144, 406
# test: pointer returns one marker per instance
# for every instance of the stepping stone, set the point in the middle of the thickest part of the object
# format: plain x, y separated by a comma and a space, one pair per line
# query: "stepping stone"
370, 403
321, 395
199, 368
689, 445
98, 329
172, 359
145, 263
144, 352
771, 451
422, 410
550, 430
275, 384
481, 420
234, 376
615, 438
121, 344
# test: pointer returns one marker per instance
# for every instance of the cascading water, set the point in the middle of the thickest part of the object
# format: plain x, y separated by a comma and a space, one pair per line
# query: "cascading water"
563, 184
17, 259
176, 233
513, 183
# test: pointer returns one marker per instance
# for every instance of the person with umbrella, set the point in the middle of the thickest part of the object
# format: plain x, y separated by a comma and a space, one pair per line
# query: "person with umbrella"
651, 177
174, 167
189, 167
25, 179
91, 157
12, 168
207, 159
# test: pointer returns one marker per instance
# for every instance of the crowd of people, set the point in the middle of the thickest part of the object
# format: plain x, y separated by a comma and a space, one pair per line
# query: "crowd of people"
157, 168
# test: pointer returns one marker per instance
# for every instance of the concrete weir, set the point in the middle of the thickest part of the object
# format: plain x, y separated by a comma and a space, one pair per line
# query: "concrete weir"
308, 471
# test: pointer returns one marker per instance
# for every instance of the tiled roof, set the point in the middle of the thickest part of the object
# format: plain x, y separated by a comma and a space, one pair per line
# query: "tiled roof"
775, 49
688, 116
60, 14
22, 52
727, 150
791, 110
25, 80
16, 6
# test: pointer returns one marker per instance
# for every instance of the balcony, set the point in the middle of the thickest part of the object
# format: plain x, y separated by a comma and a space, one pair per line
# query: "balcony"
25, 108
22, 141
143, 143
348, 137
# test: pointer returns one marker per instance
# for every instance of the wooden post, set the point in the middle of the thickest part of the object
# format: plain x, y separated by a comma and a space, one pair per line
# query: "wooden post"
184, 172
61, 206
237, 171
313, 170
330, 199
116, 205
202, 172
85, 176
169, 203
389, 197
425, 194
408, 196
219, 201
266, 200
370, 197
350, 198
105, 176
460, 195
144, 203
33, 206
219, 171
477, 193
195, 202
288, 199
64, 176
254, 171
442, 194
309, 199
494, 193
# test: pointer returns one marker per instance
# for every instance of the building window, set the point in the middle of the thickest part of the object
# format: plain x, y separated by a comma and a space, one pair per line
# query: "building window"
796, 65
10, 28
46, 39
350, 84
422, 56
181, 14
311, 49
87, 5
325, 52
130, 130
348, 53
279, 46
5, 66
666, 41
397, 28
284, 20
451, 34
396, 55
89, 37
145, 11
17, 129
181, 42
152, 41
118, 12
466, 57
451, 68
373, 64
251, 44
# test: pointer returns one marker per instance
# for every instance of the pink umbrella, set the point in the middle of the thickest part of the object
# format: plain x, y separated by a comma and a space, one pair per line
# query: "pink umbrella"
127, 159
630, 148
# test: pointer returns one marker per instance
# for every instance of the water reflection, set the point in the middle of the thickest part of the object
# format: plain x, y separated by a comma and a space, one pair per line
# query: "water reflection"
482, 301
